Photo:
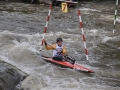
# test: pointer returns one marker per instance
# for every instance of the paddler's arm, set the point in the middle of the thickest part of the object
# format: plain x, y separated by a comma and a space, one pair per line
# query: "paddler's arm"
64, 51
50, 47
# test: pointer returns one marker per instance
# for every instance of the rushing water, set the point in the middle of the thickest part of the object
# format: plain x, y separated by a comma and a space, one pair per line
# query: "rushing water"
21, 30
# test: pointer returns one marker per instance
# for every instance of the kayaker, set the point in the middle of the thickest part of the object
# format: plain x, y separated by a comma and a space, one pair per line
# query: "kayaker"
59, 51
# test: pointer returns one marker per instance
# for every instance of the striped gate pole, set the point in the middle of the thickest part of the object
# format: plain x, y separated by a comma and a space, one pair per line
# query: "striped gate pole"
115, 16
46, 26
83, 36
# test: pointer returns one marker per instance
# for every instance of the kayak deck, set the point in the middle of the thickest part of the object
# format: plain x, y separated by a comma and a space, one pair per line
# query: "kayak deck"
68, 65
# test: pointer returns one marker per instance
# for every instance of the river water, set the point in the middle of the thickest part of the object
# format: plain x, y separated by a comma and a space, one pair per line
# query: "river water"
21, 30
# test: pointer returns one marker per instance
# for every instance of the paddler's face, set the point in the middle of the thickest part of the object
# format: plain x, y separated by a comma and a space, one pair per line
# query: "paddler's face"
59, 43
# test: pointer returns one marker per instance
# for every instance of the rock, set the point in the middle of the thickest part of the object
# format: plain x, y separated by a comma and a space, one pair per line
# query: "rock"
10, 78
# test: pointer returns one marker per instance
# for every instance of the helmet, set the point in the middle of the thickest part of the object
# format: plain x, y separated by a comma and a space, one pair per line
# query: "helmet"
59, 39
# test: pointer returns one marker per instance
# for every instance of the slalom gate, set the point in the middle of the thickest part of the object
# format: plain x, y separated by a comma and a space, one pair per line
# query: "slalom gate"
81, 26
115, 16
46, 26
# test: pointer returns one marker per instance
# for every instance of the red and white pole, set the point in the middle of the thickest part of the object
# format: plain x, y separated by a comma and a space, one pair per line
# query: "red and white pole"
83, 36
46, 26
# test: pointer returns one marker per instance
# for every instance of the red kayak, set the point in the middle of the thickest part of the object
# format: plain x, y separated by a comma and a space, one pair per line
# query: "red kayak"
67, 64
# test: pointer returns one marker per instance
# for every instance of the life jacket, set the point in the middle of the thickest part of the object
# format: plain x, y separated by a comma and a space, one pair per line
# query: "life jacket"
55, 53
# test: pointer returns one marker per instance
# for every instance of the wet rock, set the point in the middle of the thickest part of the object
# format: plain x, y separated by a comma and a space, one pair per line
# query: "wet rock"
10, 78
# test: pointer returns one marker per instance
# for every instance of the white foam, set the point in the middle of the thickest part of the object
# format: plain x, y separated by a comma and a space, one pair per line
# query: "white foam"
19, 66
110, 18
57, 80
118, 19
106, 38
88, 9
94, 31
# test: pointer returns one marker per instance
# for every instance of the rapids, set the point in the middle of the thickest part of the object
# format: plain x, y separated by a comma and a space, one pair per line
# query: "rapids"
21, 30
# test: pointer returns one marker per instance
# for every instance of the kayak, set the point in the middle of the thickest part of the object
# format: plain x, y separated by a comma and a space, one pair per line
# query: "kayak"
67, 64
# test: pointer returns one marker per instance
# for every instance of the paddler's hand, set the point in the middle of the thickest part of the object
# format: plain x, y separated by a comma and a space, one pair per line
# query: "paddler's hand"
59, 51
45, 42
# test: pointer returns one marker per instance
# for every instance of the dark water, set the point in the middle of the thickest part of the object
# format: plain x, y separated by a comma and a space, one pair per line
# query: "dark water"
21, 30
